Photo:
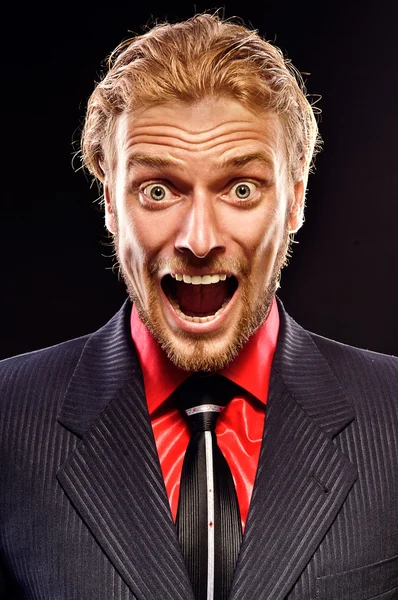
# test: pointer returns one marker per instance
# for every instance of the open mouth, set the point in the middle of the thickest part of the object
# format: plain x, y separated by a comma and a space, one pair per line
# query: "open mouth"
199, 298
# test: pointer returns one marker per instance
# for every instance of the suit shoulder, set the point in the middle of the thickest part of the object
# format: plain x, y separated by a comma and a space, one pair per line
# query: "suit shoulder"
338, 349
36, 357
47, 366
359, 367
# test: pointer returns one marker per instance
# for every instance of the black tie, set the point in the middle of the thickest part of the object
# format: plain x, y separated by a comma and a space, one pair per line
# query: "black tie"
208, 519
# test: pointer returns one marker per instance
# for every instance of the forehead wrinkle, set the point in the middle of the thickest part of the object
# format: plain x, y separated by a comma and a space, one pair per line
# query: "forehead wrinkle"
176, 133
188, 132
195, 146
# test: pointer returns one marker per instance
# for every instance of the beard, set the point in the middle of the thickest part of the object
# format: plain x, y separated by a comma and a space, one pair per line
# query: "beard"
207, 352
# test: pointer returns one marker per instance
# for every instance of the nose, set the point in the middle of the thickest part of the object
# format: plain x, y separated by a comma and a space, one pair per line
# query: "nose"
199, 231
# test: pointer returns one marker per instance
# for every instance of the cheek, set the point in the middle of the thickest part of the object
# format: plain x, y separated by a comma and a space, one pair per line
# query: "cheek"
261, 232
143, 238
130, 243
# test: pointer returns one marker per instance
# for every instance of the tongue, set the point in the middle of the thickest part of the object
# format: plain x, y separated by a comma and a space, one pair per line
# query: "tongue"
201, 300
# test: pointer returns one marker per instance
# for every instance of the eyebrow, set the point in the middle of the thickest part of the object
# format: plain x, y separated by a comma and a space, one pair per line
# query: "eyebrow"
155, 161
151, 161
245, 159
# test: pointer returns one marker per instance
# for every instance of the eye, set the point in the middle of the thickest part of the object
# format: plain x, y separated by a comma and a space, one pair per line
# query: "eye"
243, 190
156, 191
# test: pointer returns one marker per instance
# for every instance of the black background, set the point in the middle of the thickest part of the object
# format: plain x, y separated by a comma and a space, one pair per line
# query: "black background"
57, 280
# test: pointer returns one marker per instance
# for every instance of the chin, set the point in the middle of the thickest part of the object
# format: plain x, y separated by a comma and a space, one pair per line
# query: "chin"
200, 354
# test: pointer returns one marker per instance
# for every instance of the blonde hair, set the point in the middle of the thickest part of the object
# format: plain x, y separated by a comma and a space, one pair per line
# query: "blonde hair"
189, 61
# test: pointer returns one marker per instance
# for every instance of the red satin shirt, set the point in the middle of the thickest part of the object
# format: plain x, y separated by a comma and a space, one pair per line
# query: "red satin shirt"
240, 425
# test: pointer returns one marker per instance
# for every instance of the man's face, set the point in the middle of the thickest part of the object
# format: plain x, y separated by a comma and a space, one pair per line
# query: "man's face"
201, 205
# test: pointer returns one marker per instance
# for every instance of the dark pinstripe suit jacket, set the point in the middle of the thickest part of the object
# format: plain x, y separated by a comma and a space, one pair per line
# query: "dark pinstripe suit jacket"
83, 509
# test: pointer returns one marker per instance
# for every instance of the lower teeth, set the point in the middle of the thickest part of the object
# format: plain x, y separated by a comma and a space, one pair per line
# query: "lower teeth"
199, 319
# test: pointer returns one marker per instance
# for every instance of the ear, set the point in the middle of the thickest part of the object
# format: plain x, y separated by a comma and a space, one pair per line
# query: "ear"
296, 216
110, 217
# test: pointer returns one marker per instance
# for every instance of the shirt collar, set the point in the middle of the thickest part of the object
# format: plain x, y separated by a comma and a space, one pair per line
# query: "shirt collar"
250, 369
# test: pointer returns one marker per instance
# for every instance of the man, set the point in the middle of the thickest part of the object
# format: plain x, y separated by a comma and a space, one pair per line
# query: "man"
202, 137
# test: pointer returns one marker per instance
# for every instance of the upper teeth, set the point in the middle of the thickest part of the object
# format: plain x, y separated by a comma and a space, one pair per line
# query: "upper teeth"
199, 279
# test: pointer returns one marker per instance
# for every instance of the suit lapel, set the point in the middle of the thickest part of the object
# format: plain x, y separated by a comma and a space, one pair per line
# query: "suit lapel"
302, 478
113, 478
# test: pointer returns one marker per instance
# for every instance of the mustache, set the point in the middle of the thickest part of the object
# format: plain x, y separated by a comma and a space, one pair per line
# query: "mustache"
184, 263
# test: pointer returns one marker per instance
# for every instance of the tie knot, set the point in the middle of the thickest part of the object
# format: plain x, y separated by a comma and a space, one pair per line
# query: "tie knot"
203, 417
202, 398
